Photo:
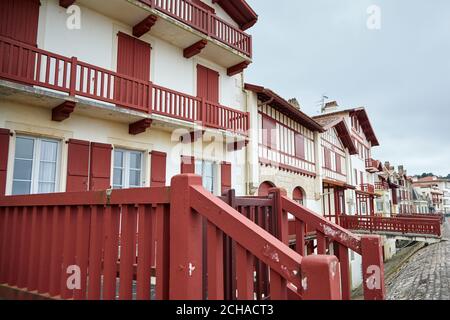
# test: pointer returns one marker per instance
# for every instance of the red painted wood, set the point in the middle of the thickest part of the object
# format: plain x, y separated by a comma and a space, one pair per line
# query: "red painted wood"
322, 277
19, 20
45, 250
187, 165
278, 287
145, 249
373, 268
4, 241
133, 58
69, 229
299, 146
111, 232
77, 165
207, 84
341, 253
83, 221
100, 175
244, 271
95, 252
158, 169
36, 236
215, 263
226, 179
56, 251
4, 151
269, 132
127, 251
162, 252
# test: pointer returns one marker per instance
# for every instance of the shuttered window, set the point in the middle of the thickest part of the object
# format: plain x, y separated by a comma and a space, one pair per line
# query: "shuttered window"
269, 132
78, 166
207, 84
338, 163
35, 165
133, 57
187, 164
225, 173
299, 146
19, 20
128, 171
100, 166
158, 169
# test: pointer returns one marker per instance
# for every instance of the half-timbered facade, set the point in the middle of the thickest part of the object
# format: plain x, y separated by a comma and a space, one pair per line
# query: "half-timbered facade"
287, 142
117, 93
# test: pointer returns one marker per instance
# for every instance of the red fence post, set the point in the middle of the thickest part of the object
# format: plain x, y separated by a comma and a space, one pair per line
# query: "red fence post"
186, 268
321, 278
73, 76
373, 268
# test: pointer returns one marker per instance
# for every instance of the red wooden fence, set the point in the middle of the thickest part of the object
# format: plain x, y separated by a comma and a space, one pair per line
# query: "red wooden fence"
29, 65
403, 225
204, 21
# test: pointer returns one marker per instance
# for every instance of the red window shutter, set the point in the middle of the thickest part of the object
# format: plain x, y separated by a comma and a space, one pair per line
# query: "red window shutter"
19, 20
299, 146
207, 84
187, 165
4, 151
78, 166
225, 176
158, 169
142, 53
100, 178
327, 155
362, 177
269, 132
133, 57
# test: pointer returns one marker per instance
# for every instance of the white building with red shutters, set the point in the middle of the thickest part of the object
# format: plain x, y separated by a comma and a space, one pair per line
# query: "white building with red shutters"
99, 94
285, 148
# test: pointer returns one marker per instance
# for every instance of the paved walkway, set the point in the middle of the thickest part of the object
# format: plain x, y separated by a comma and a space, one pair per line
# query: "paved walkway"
427, 274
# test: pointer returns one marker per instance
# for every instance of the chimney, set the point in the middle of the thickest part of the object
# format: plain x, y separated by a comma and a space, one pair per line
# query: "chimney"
401, 170
294, 102
329, 107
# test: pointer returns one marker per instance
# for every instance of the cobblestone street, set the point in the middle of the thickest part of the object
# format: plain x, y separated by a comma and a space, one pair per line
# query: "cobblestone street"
426, 276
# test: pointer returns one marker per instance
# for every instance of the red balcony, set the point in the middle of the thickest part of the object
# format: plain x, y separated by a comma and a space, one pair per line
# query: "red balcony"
29, 65
204, 21
381, 186
412, 226
369, 188
372, 166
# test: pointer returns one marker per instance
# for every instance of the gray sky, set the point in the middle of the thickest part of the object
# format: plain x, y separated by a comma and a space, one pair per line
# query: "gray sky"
400, 73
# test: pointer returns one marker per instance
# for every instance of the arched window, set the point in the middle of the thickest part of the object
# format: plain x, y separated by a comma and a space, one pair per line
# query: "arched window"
299, 195
264, 188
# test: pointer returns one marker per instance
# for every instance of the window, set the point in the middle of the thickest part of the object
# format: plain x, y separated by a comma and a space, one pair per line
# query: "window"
327, 156
35, 166
363, 208
269, 128
127, 169
380, 206
207, 170
299, 146
338, 163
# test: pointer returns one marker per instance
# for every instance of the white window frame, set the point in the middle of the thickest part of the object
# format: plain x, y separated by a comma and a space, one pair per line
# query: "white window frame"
126, 168
202, 174
35, 167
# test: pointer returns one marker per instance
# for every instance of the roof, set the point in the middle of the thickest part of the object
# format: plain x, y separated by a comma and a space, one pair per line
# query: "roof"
431, 179
240, 11
363, 119
283, 106
342, 129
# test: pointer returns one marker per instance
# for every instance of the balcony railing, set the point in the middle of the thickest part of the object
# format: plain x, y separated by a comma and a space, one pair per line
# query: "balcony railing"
205, 22
367, 188
372, 165
381, 186
402, 225
32, 66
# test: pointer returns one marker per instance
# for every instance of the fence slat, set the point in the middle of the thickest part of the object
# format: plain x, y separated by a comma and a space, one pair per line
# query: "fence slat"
215, 263
144, 252
244, 273
127, 251
112, 220
95, 253
82, 248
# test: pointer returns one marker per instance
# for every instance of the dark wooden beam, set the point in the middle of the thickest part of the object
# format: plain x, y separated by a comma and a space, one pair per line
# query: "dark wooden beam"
66, 3
140, 126
192, 137
144, 26
195, 49
237, 145
63, 111
234, 70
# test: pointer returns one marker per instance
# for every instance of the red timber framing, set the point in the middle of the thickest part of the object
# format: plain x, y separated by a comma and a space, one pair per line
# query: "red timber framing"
204, 20
333, 202
4, 152
135, 92
144, 26
100, 231
195, 49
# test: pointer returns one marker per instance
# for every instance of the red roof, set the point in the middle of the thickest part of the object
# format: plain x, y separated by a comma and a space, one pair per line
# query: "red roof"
240, 11
284, 107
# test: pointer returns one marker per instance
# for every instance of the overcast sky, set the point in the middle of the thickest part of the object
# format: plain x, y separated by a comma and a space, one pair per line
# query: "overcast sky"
400, 73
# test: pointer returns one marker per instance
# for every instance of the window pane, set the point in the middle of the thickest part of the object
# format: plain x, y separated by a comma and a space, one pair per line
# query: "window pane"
49, 150
118, 159
23, 169
46, 187
47, 172
135, 178
135, 160
24, 148
21, 187
117, 178
199, 167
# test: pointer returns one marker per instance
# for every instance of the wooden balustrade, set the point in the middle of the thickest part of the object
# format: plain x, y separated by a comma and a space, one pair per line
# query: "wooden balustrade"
369, 188
28, 65
204, 21
401, 224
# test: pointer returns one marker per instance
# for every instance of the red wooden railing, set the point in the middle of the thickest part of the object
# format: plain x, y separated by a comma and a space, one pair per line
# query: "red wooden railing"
124, 241
311, 234
403, 225
371, 164
32, 66
370, 188
381, 186
204, 21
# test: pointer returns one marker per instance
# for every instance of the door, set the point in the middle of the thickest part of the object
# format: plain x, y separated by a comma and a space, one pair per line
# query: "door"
18, 22
133, 60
